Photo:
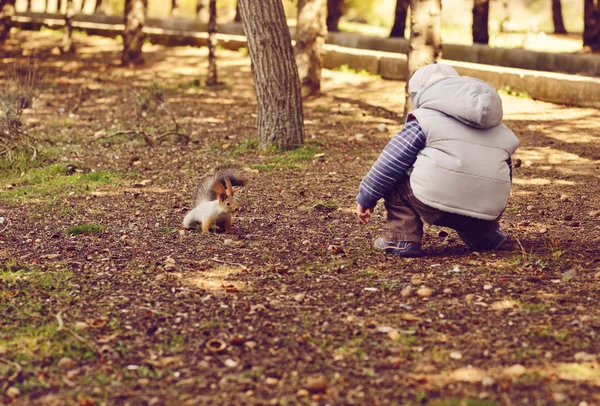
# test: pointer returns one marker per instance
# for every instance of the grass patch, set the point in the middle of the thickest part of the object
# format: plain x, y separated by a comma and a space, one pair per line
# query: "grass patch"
54, 182
347, 69
509, 91
84, 229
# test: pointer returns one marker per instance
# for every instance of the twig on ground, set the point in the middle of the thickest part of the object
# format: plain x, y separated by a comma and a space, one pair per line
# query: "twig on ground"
229, 263
60, 321
13, 376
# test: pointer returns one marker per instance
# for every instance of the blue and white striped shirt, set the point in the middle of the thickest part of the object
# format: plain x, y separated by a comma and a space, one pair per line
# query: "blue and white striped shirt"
393, 163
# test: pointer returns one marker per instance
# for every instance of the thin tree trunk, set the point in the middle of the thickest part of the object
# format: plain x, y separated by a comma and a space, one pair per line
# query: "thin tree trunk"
400, 20
175, 8
29, 5
7, 10
98, 7
133, 36
335, 10
481, 13
238, 16
591, 24
59, 6
279, 102
311, 32
67, 45
425, 44
557, 17
212, 79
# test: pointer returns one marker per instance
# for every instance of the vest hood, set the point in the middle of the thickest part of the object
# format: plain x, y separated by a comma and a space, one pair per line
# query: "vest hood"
469, 100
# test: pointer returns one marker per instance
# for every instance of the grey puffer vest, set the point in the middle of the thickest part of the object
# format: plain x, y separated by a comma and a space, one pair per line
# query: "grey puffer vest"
463, 168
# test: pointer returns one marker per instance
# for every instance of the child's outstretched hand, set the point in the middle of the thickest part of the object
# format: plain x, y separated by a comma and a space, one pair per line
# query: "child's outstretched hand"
363, 214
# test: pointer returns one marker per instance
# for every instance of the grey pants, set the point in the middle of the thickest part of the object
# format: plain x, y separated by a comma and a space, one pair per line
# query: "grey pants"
405, 211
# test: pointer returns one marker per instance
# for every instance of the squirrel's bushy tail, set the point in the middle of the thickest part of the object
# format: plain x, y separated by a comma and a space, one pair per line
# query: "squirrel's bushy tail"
205, 191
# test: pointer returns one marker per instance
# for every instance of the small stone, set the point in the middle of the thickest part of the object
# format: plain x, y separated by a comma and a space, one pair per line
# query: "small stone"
382, 127
455, 355
528, 164
250, 344
13, 392
469, 297
487, 381
424, 292
570, 274
359, 137
228, 241
448, 291
515, 370
270, 381
530, 207
316, 384
543, 230
66, 363
595, 213
564, 198
487, 287
416, 280
305, 242
229, 363
302, 393
559, 397
408, 291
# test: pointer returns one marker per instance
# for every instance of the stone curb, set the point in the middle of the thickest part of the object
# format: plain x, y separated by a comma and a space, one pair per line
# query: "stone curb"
559, 88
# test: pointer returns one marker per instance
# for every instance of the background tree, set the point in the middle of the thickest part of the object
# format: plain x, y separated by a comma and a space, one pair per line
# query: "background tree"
67, 44
98, 7
212, 78
175, 8
279, 103
591, 24
557, 17
238, 16
133, 36
481, 14
399, 26
425, 43
335, 11
199, 7
7, 10
311, 32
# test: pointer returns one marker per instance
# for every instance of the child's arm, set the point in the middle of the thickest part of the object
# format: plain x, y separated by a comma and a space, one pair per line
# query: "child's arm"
394, 161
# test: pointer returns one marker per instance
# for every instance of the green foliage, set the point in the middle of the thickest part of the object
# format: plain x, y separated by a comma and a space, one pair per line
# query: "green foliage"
509, 91
84, 229
346, 68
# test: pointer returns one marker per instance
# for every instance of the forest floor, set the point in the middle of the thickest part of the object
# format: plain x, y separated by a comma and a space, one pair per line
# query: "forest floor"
105, 300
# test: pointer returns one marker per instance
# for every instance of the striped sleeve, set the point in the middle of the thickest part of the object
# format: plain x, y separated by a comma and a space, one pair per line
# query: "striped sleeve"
393, 163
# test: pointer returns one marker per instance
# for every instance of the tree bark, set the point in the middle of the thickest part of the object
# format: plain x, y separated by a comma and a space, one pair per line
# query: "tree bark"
279, 102
311, 32
175, 8
335, 11
481, 13
67, 44
591, 24
425, 44
557, 17
7, 10
400, 20
133, 36
212, 78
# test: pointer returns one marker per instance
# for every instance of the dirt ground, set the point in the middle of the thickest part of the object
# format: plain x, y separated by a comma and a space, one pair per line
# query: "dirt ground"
104, 300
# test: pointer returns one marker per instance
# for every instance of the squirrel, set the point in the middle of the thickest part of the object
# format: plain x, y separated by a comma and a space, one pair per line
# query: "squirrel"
214, 201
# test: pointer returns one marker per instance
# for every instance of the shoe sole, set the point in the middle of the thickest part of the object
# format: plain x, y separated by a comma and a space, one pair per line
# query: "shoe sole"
402, 252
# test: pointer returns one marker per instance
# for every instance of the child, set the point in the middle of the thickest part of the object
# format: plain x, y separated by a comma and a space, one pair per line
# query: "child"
450, 165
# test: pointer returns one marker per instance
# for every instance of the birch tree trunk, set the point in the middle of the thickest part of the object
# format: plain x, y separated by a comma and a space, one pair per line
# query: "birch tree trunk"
7, 10
557, 18
481, 14
425, 44
400, 19
212, 79
279, 103
67, 43
133, 36
311, 32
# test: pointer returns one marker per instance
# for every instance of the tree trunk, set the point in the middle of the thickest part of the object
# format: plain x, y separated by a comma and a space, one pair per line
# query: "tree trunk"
311, 32
133, 36
7, 10
279, 103
557, 17
238, 16
59, 6
425, 44
98, 8
481, 13
67, 44
212, 79
335, 10
400, 20
29, 5
175, 8
591, 24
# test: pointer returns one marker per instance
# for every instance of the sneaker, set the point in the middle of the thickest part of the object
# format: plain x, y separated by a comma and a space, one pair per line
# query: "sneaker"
491, 242
402, 248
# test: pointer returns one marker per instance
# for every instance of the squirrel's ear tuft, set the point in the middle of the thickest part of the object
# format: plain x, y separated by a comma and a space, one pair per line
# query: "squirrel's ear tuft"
222, 197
